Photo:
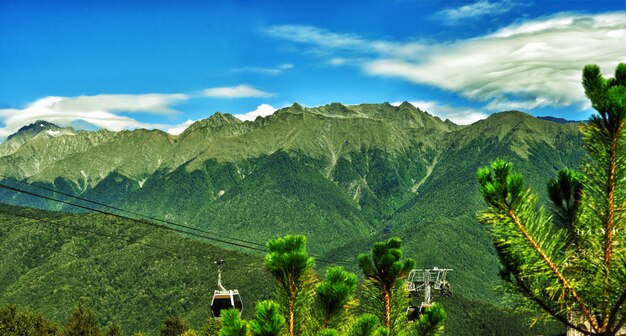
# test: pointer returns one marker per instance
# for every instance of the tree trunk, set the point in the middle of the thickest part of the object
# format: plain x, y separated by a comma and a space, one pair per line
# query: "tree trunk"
292, 329
388, 310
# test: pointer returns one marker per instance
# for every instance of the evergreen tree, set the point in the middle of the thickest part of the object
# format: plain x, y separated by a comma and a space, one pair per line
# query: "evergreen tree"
365, 325
267, 319
335, 297
571, 264
232, 324
83, 322
174, 326
18, 321
384, 272
431, 322
114, 329
291, 266
328, 332
211, 328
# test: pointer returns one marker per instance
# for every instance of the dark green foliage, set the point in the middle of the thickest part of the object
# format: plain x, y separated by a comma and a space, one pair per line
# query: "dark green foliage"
365, 325
232, 324
565, 192
385, 270
328, 332
268, 320
83, 322
335, 296
114, 329
110, 189
21, 321
173, 326
431, 322
211, 327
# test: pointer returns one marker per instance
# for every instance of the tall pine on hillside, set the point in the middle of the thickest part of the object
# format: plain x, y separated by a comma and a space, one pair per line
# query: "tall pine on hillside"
292, 268
384, 271
573, 263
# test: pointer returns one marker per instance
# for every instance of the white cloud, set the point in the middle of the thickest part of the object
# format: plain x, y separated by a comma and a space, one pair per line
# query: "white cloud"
262, 110
475, 10
176, 130
240, 91
150, 103
458, 115
55, 110
267, 71
532, 64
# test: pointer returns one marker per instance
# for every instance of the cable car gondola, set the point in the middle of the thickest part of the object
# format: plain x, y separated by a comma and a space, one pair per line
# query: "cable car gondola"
224, 298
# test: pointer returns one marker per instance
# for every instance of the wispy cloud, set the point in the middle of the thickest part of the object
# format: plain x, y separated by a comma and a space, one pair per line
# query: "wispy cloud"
327, 42
266, 71
458, 115
240, 91
476, 10
532, 64
149, 103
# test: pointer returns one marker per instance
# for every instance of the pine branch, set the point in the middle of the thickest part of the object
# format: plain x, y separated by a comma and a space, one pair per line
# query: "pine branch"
616, 309
545, 306
554, 269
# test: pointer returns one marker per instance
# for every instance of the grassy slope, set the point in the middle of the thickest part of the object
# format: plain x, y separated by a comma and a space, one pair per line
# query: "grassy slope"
51, 268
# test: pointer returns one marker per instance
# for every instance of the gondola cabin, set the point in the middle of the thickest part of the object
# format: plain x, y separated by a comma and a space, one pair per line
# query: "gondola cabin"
223, 300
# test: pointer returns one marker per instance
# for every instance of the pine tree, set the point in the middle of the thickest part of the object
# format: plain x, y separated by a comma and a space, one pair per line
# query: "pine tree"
328, 332
83, 322
291, 266
431, 322
173, 326
384, 272
335, 297
571, 264
365, 325
267, 319
232, 324
211, 328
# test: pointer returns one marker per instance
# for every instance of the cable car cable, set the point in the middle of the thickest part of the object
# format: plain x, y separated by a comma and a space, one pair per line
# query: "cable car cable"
72, 227
129, 218
128, 211
321, 260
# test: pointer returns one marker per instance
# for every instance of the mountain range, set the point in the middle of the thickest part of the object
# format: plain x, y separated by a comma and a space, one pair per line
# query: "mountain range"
344, 176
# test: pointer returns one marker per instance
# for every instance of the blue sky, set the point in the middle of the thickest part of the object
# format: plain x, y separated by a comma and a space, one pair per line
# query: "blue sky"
162, 64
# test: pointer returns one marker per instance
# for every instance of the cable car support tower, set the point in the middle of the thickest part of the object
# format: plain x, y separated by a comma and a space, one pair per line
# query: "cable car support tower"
425, 284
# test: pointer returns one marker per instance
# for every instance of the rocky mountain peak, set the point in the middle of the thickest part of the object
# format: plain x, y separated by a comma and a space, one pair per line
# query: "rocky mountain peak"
33, 129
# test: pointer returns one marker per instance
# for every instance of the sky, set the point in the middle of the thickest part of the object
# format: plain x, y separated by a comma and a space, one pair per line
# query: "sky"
165, 64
